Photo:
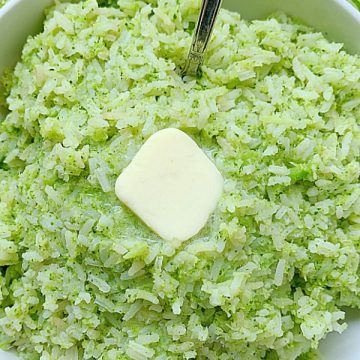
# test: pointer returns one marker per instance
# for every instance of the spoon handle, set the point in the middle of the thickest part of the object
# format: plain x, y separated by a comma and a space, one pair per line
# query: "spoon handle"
204, 27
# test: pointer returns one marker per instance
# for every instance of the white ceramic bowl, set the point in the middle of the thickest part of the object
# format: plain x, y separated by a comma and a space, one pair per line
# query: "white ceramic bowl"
335, 18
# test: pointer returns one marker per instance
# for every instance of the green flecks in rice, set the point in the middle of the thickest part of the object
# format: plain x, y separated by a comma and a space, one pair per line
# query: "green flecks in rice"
277, 109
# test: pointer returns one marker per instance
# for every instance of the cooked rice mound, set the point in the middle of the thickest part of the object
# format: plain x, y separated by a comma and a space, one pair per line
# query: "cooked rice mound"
277, 108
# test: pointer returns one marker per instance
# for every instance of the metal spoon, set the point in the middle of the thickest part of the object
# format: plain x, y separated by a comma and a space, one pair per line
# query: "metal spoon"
204, 27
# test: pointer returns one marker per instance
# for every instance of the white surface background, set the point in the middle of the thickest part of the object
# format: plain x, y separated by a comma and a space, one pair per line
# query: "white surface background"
345, 346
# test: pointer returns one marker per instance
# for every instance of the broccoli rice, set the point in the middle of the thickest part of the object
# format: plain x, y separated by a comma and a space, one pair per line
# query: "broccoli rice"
277, 108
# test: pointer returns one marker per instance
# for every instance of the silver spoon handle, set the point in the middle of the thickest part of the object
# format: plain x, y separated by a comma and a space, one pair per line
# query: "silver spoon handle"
204, 27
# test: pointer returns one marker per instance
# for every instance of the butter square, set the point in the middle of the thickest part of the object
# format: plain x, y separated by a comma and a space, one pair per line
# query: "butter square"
171, 185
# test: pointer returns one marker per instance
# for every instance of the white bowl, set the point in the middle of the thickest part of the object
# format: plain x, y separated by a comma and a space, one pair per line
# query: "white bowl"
335, 18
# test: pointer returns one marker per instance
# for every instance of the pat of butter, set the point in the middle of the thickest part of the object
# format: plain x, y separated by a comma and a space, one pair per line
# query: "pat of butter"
171, 185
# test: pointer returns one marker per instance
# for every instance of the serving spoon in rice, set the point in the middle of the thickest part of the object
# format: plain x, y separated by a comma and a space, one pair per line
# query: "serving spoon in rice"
208, 13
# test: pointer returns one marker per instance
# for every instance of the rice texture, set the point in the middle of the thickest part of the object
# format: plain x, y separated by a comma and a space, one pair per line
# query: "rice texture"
277, 108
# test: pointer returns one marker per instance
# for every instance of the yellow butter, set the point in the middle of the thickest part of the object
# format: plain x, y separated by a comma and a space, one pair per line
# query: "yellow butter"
171, 185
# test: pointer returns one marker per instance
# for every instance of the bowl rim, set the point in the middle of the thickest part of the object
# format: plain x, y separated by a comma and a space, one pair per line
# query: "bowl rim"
8, 5
345, 4
349, 8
